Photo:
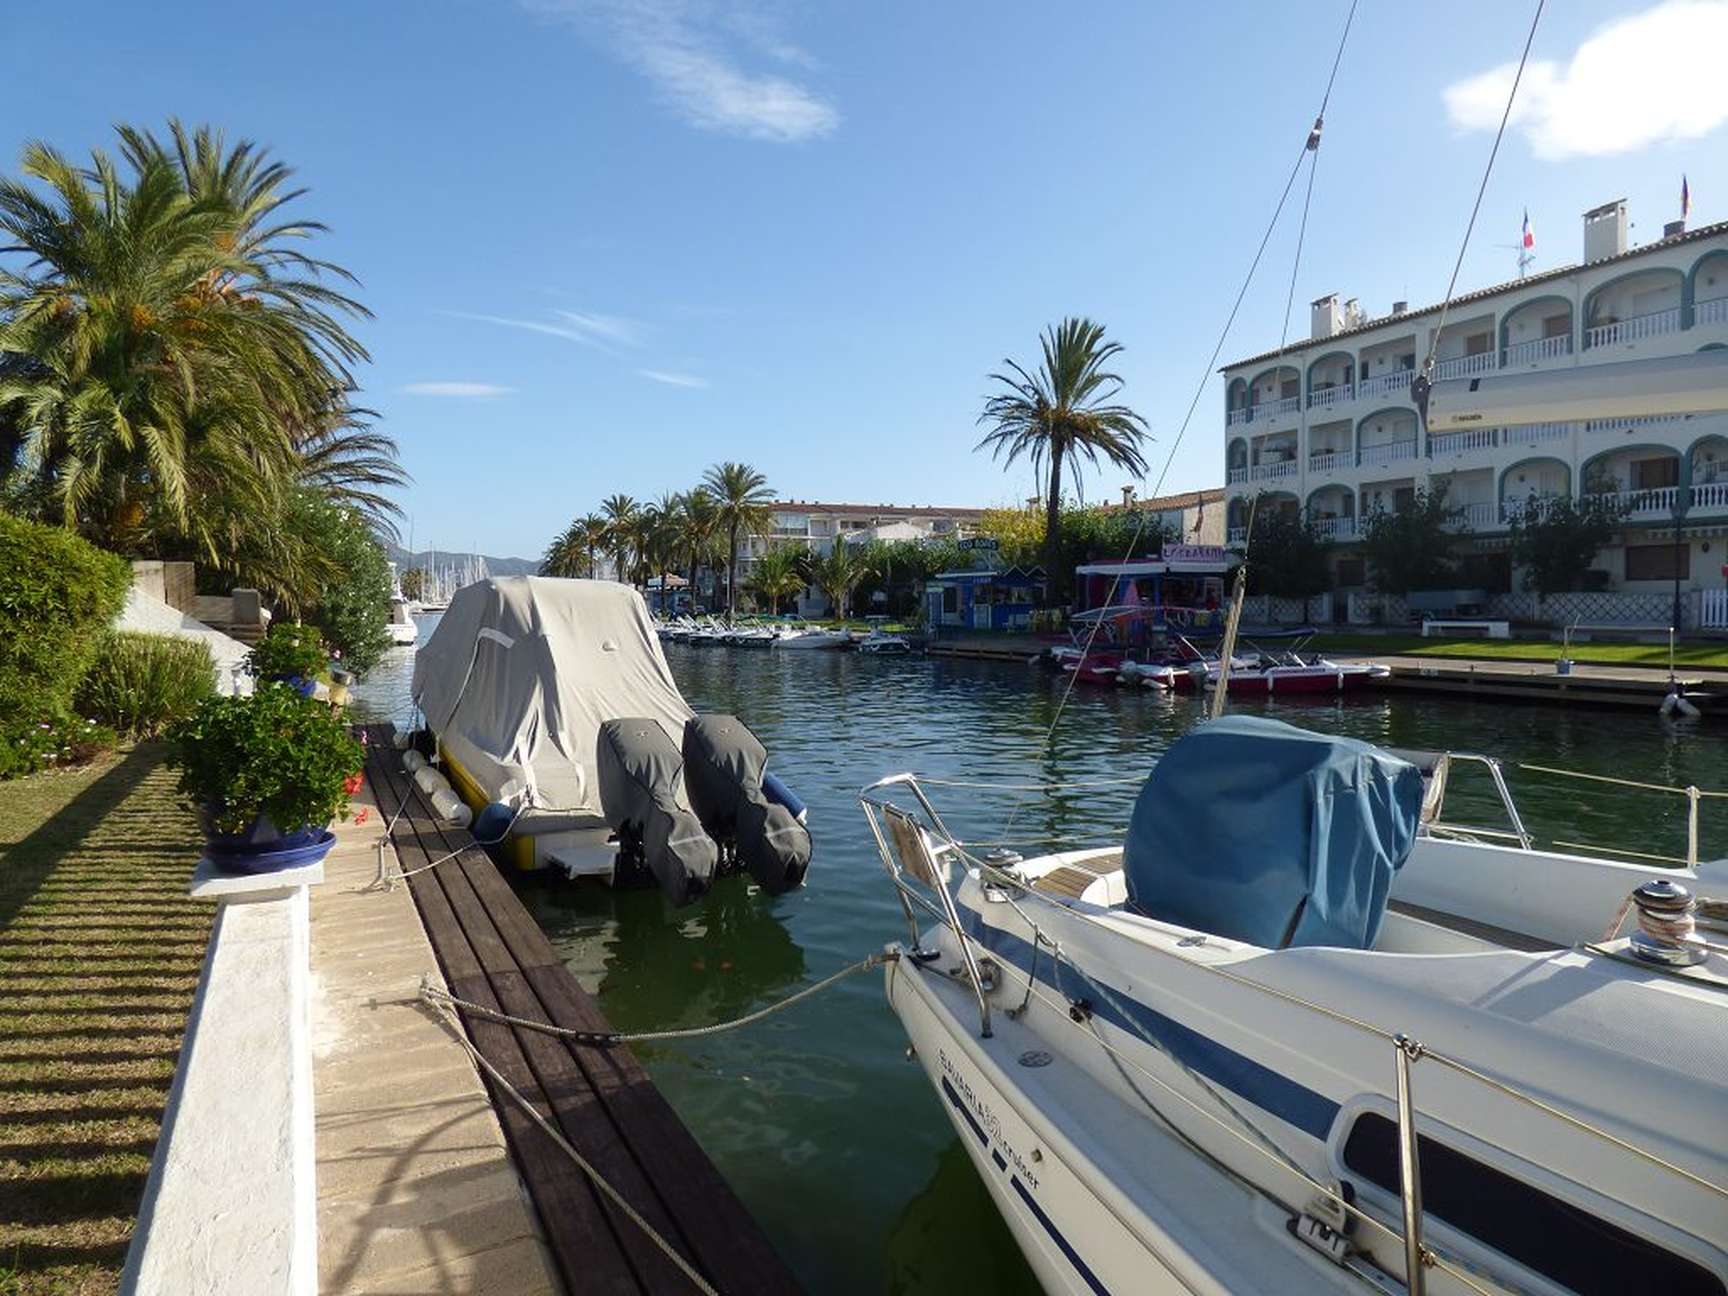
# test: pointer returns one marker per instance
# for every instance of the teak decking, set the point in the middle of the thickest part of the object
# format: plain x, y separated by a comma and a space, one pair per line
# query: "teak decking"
493, 953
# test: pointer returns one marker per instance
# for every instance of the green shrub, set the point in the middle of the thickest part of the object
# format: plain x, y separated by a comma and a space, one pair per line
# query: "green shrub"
57, 594
288, 650
274, 753
142, 683
29, 745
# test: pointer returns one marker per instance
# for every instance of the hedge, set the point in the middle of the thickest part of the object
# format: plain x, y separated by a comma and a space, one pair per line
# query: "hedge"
140, 684
58, 593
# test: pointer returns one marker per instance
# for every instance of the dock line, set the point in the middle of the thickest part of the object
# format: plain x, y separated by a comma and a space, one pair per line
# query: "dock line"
444, 999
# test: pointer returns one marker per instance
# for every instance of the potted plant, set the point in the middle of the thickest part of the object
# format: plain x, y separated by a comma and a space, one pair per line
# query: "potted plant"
268, 774
290, 653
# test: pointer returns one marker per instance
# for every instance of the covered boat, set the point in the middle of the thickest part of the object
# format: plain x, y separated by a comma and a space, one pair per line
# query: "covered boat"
558, 721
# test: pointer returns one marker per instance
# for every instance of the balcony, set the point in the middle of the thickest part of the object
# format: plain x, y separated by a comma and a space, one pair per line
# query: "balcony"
1473, 517
1274, 408
1513, 510
1464, 366
1396, 383
1236, 417
1329, 461
1709, 495
1390, 452
1275, 471
1548, 348
1235, 476
1714, 311
1238, 535
1327, 397
1631, 330
1530, 434
1656, 502
1627, 424
1335, 530
1451, 443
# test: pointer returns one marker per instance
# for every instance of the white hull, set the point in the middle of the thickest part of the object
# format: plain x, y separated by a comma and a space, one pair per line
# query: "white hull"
816, 639
404, 636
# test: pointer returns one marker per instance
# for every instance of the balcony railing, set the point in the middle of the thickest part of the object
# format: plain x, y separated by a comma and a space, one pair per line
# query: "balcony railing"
1709, 495
1714, 311
1548, 348
1390, 452
1514, 510
1473, 517
1631, 330
1329, 396
1451, 443
1234, 476
1236, 417
1274, 408
1335, 529
1328, 461
1396, 383
1626, 424
1534, 434
1657, 501
1275, 470
1464, 366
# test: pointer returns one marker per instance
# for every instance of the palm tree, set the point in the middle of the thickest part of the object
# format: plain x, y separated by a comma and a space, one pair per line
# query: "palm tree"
563, 555
698, 524
593, 530
776, 575
741, 505
837, 573
620, 514
1060, 412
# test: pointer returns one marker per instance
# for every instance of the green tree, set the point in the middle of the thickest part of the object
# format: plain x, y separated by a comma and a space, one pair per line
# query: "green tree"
593, 531
1286, 556
742, 506
1557, 539
351, 607
620, 513
1063, 411
836, 573
415, 582
563, 557
776, 576
1410, 549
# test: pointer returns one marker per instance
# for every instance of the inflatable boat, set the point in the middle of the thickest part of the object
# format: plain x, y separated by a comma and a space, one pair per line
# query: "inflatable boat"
551, 710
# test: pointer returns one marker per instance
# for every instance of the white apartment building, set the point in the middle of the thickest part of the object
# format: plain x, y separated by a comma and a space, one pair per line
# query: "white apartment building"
1327, 425
813, 526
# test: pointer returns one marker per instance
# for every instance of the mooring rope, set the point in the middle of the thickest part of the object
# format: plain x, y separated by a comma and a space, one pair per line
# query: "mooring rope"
607, 1190
434, 995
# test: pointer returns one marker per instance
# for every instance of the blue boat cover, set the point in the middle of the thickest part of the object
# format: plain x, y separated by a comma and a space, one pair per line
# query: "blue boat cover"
1258, 831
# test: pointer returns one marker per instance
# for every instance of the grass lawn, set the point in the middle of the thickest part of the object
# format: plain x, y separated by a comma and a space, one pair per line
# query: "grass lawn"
1695, 652
99, 956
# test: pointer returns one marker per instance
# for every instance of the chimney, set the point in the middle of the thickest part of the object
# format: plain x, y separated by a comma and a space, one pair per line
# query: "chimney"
1673, 229
1605, 231
1352, 313
1128, 497
1327, 316
1399, 307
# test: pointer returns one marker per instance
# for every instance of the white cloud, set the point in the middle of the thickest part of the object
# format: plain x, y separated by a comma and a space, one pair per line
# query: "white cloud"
686, 53
458, 389
1649, 79
613, 328
672, 379
585, 329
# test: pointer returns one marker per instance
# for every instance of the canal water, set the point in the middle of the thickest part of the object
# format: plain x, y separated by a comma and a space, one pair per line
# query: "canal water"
829, 1135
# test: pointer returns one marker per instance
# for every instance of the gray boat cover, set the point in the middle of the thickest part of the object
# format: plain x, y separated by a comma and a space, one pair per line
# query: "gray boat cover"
1259, 831
523, 670
641, 774
723, 764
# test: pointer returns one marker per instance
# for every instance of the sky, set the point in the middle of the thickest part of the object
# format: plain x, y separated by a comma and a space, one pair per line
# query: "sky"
607, 243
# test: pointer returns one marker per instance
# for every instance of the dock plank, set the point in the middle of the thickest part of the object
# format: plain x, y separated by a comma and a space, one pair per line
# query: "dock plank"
493, 953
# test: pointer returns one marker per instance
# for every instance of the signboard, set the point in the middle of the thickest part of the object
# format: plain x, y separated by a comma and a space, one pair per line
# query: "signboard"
981, 542
1194, 553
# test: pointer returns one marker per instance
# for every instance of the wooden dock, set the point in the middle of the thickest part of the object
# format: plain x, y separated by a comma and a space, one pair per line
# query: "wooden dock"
1639, 687
491, 952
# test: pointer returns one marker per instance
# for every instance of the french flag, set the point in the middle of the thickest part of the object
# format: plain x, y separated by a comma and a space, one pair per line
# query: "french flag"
1529, 238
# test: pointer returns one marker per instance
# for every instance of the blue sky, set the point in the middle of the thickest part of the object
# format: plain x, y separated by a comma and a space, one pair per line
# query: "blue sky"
609, 242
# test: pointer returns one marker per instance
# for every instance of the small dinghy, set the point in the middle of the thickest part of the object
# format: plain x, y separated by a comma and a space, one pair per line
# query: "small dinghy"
557, 721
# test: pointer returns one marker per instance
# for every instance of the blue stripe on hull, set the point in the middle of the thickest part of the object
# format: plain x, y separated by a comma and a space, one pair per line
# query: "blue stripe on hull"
1306, 1109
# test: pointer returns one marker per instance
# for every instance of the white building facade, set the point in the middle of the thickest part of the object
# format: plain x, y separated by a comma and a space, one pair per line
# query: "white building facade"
1326, 426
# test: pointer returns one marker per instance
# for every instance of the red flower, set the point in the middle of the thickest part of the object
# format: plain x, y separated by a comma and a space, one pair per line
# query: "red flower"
353, 782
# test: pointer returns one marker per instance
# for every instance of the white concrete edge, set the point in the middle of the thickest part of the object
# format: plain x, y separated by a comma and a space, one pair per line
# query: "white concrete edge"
230, 1204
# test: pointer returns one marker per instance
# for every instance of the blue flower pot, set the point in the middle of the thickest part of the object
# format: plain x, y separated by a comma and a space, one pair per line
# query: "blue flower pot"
304, 687
262, 848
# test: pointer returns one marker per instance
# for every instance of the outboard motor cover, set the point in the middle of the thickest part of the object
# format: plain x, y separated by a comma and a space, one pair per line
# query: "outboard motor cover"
723, 764
641, 777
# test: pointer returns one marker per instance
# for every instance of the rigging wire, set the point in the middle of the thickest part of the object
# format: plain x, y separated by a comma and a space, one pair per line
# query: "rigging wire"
1470, 226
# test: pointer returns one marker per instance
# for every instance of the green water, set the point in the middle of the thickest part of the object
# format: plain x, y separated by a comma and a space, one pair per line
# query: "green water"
833, 1139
